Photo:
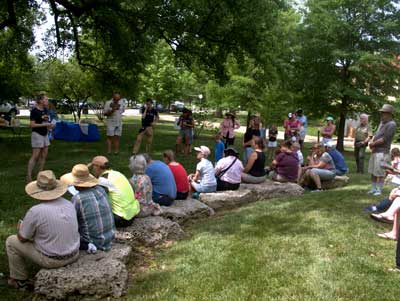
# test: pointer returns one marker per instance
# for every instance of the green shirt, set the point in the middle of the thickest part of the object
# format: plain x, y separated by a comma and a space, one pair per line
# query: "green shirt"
363, 132
121, 195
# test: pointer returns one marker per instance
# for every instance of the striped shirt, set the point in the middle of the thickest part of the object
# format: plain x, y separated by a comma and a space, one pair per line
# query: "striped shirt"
95, 218
53, 227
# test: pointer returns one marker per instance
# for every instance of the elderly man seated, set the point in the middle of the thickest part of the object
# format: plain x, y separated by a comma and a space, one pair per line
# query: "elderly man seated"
120, 193
324, 170
95, 218
48, 235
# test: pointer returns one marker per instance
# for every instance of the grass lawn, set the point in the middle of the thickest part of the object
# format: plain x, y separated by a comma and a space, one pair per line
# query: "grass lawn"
319, 246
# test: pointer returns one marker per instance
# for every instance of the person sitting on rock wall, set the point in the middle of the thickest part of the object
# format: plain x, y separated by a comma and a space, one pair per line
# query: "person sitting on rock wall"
120, 193
324, 170
254, 172
340, 163
204, 178
48, 236
141, 184
95, 217
162, 179
286, 164
228, 170
180, 175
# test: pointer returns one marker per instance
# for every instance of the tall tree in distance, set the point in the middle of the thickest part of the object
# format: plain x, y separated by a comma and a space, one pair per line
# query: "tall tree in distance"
348, 61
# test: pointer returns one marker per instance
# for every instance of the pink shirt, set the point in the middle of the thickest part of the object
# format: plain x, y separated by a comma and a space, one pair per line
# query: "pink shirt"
233, 174
227, 128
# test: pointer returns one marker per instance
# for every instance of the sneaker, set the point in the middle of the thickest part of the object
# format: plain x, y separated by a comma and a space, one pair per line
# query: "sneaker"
371, 209
372, 191
317, 190
377, 193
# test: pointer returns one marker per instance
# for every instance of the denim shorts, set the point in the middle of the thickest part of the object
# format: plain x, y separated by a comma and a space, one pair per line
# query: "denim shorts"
324, 174
201, 188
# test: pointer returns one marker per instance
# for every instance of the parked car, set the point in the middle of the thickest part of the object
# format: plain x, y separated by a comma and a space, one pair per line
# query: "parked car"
177, 106
8, 110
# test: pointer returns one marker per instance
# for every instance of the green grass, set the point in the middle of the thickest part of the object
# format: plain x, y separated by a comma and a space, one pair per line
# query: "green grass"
313, 247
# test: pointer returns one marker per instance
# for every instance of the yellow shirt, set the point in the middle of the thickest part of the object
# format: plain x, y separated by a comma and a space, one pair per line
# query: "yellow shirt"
122, 198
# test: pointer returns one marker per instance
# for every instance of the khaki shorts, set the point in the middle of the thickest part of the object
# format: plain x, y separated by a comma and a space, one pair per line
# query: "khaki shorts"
39, 141
375, 164
114, 129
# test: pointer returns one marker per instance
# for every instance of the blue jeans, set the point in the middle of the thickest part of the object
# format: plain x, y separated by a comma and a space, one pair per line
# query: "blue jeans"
324, 174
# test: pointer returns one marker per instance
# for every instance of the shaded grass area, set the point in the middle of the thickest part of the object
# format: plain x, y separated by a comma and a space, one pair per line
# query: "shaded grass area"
314, 247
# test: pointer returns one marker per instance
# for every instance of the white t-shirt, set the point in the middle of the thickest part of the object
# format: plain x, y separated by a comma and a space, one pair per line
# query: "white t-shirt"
116, 117
206, 169
300, 156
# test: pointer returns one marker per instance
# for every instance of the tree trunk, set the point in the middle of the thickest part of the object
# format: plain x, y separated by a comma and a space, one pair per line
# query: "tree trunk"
248, 118
218, 113
342, 122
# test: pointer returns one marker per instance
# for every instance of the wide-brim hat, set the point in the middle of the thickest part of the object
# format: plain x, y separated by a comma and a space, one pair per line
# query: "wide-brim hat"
231, 149
46, 187
386, 108
203, 149
80, 177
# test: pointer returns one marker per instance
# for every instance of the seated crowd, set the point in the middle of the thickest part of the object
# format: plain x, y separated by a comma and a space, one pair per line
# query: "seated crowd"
53, 231
387, 211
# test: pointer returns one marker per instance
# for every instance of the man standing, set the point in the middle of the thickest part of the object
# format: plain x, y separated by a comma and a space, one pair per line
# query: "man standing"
48, 235
149, 118
380, 148
40, 125
113, 109
363, 136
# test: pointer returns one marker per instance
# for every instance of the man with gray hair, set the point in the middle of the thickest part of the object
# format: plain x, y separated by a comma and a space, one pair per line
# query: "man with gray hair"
380, 148
362, 137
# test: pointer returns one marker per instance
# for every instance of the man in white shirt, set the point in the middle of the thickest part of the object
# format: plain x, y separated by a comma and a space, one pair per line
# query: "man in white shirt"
113, 109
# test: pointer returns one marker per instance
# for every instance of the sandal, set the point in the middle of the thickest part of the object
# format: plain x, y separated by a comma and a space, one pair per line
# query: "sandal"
25, 285
381, 218
386, 236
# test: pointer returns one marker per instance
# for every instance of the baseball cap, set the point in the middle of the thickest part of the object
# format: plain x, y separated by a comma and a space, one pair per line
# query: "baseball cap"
290, 115
329, 144
203, 149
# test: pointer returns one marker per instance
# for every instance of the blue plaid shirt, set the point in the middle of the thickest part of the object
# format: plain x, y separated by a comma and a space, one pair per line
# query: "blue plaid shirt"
95, 218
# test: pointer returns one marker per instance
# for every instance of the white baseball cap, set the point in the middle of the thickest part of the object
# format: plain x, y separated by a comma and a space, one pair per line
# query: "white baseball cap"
203, 149
329, 144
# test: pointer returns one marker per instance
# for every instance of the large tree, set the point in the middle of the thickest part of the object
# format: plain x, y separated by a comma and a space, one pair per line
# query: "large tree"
114, 35
348, 61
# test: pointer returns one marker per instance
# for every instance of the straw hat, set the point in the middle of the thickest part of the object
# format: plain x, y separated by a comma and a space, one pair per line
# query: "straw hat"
79, 177
46, 187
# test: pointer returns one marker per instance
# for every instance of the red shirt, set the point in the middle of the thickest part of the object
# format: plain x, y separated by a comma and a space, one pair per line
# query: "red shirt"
180, 176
